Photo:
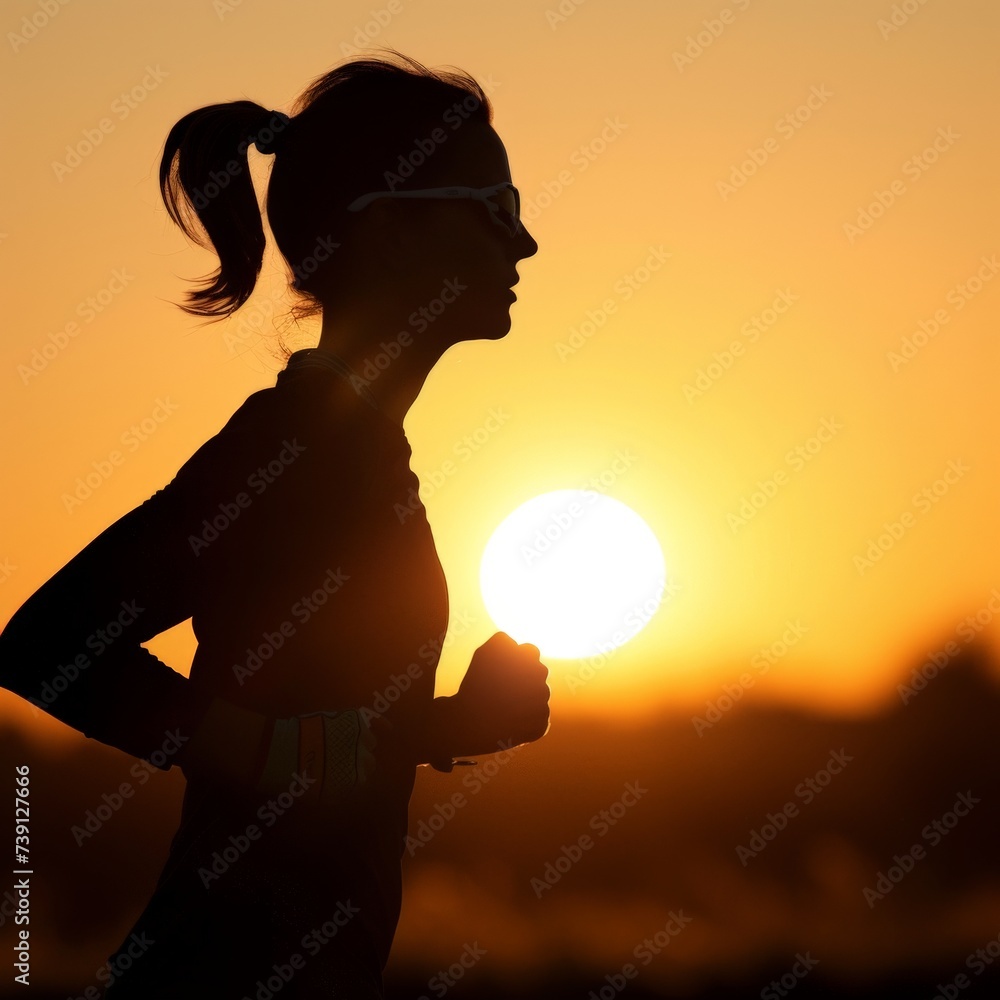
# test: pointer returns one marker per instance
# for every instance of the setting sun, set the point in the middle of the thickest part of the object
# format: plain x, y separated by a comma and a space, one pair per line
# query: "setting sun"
574, 572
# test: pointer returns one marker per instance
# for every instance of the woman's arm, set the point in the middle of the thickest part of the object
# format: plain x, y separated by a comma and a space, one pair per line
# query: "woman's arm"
74, 647
502, 702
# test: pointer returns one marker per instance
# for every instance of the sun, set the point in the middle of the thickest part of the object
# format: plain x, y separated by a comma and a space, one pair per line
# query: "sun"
574, 572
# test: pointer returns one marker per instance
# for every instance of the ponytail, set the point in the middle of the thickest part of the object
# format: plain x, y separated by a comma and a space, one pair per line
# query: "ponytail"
204, 172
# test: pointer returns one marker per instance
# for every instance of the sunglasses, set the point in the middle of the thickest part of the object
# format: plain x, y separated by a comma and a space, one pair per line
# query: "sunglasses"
502, 200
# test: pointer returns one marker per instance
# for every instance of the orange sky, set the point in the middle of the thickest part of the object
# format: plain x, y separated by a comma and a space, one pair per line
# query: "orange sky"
748, 160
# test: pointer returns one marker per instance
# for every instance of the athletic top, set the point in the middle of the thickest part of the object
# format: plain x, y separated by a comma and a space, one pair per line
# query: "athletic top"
296, 543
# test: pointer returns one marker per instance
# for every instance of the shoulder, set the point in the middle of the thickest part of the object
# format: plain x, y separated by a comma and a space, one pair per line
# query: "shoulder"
315, 411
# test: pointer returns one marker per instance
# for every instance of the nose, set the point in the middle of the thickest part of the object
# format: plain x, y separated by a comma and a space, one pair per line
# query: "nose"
525, 245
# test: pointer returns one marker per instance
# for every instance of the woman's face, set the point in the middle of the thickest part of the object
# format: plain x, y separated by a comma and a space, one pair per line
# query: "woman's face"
446, 263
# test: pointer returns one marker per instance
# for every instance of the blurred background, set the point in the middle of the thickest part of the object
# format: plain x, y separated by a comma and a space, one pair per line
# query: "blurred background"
762, 314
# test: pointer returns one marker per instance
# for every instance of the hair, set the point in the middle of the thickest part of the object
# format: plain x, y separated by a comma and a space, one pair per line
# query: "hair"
348, 128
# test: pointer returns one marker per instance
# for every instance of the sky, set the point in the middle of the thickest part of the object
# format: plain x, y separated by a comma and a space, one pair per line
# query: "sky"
763, 312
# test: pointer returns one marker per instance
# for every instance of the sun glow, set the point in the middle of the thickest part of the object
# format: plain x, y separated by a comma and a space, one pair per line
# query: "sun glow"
574, 572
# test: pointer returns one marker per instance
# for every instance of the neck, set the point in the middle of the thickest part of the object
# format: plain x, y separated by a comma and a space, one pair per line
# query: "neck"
390, 359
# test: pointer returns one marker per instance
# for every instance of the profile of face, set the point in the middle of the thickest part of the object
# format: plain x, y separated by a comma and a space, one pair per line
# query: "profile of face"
443, 268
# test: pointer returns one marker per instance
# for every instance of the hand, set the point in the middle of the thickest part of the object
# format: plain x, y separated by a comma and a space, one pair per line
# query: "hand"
503, 699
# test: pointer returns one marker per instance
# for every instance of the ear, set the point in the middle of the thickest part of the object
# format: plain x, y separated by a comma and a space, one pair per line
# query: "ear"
384, 231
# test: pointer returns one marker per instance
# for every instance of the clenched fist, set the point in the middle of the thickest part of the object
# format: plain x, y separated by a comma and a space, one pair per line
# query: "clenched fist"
503, 699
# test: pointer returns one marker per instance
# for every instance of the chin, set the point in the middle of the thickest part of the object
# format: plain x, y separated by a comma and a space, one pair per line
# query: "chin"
487, 327
489, 322
501, 330
502, 321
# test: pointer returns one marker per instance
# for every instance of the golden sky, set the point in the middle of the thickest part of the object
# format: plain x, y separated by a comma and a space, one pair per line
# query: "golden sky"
791, 208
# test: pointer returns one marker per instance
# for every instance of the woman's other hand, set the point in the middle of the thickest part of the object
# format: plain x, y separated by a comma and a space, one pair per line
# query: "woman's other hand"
503, 699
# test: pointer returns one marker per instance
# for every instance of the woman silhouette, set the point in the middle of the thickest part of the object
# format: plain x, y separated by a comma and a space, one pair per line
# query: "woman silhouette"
295, 541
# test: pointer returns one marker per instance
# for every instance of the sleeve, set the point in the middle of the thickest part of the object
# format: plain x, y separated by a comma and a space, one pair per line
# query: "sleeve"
74, 647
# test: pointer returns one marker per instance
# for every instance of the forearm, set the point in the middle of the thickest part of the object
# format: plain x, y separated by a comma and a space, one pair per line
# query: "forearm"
122, 695
448, 732
74, 647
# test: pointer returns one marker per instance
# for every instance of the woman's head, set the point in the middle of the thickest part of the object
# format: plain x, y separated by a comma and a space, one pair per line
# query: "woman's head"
371, 125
